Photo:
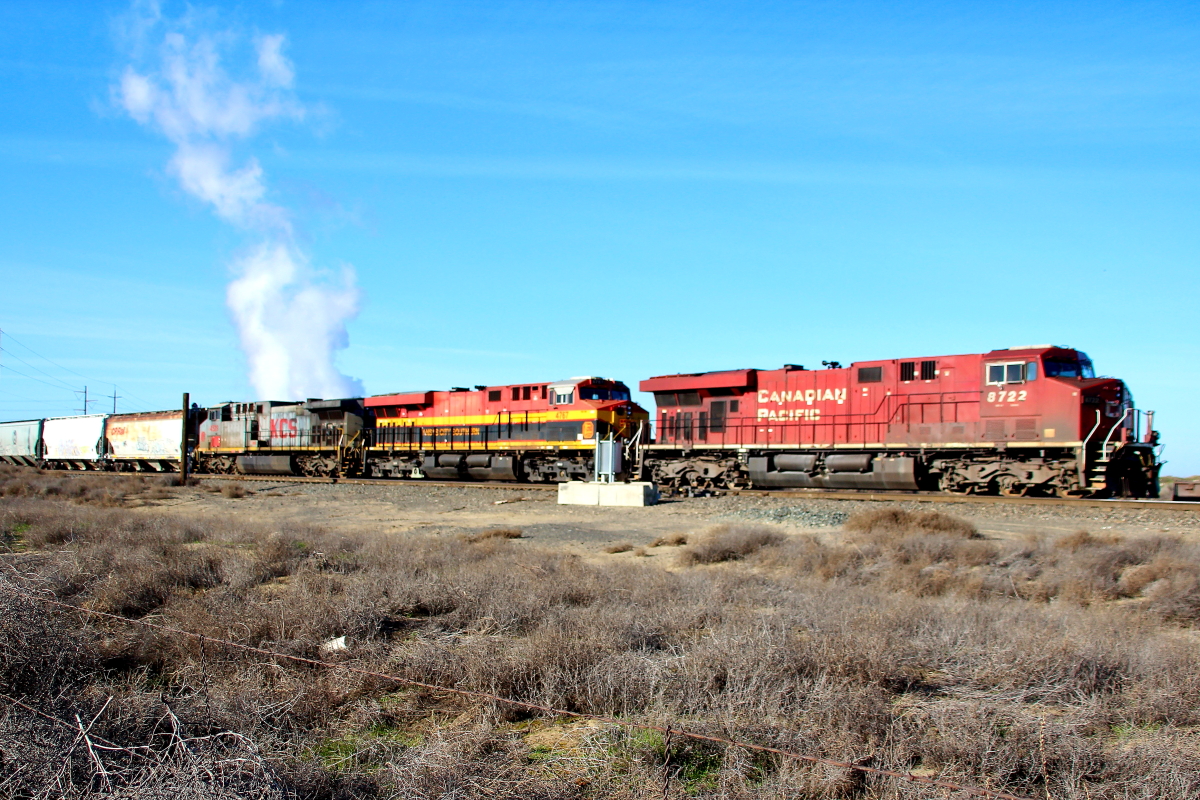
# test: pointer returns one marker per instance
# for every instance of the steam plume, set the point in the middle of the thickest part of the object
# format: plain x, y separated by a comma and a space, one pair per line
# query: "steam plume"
291, 319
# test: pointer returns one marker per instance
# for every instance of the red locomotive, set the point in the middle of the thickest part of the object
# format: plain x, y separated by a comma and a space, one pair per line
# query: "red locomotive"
535, 432
1026, 420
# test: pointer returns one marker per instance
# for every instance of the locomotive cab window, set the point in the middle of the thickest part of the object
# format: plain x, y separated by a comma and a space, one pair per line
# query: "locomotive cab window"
1069, 368
603, 394
1011, 372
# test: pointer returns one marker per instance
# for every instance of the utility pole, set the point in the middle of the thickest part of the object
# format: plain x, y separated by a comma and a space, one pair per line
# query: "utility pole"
114, 396
183, 445
85, 401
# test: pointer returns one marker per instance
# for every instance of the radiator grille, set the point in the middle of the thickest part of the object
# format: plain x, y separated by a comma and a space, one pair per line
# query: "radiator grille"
1026, 429
994, 430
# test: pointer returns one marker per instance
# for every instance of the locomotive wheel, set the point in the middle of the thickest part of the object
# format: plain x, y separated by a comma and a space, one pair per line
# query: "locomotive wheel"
216, 465
1008, 486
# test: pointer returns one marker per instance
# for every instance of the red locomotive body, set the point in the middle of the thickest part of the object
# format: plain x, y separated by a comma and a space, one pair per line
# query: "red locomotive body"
535, 432
1015, 421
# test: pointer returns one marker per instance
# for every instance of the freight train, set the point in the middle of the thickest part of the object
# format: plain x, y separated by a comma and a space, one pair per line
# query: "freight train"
1018, 421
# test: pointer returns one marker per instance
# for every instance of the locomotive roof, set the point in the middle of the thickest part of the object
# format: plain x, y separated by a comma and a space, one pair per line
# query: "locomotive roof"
739, 378
425, 397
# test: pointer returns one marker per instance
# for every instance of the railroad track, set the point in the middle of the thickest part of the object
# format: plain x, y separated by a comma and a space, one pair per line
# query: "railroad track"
940, 497
816, 494
510, 486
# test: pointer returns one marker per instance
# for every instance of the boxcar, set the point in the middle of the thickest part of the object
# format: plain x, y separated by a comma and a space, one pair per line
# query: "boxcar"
74, 442
21, 442
149, 441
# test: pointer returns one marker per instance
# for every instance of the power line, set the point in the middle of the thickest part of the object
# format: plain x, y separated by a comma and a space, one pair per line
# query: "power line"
31, 366
4, 392
39, 380
146, 404
39, 355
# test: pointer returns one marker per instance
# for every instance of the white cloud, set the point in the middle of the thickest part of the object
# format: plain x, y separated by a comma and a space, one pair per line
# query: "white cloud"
275, 68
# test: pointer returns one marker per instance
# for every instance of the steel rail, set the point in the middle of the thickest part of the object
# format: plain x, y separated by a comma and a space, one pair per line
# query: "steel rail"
816, 494
509, 485
945, 497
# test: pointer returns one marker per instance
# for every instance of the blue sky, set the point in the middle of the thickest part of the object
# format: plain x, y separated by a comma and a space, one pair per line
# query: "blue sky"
530, 191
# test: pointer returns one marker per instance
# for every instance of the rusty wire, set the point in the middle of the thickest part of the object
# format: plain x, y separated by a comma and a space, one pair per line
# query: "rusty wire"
668, 731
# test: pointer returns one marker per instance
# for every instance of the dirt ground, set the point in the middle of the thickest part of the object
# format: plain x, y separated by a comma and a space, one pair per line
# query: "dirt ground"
409, 507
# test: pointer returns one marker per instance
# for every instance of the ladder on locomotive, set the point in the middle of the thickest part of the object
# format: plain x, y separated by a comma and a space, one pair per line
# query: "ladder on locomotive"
1096, 473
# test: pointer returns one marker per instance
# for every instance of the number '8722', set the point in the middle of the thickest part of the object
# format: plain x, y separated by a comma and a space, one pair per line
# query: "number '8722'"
1007, 397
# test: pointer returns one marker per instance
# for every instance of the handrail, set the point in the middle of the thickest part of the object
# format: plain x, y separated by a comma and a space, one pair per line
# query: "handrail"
1113, 429
1088, 438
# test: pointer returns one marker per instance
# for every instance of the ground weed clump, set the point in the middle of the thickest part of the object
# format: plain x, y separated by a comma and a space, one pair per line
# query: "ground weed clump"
730, 543
493, 533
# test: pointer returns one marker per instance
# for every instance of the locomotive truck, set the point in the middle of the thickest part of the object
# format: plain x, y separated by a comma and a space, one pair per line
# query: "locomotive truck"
1023, 420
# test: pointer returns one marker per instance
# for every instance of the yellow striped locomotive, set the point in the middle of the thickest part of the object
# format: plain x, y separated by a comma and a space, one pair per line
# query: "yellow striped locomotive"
532, 431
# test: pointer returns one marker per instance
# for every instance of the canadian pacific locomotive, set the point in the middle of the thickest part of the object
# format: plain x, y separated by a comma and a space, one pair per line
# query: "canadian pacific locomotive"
1025, 420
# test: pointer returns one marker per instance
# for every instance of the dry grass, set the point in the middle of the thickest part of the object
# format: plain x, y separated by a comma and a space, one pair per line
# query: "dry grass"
829, 647
232, 491
897, 521
671, 540
493, 533
108, 490
618, 547
933, 554
730, 543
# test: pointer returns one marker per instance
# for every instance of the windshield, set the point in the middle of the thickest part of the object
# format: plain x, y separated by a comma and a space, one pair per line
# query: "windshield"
592, 393
1069, 368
